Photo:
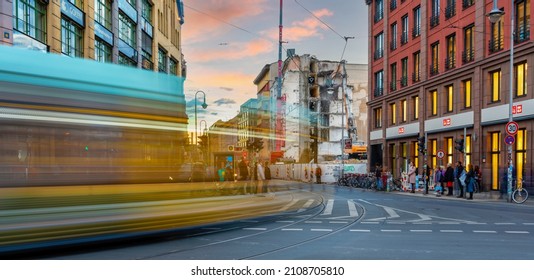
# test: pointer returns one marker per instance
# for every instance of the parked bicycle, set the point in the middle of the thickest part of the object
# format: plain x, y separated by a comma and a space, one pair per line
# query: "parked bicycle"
520, 194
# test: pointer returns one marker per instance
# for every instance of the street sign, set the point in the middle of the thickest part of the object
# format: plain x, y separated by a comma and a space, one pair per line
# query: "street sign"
509, 140
512, 128
440, 154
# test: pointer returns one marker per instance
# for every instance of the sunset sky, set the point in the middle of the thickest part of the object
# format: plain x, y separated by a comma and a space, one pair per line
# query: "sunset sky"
227, 42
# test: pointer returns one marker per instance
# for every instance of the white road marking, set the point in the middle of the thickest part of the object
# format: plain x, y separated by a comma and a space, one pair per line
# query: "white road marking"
391, 212
451, 230
328, 208
484, 231
291, 229
288, 205
285, 221
449, 223
321, 229
528, 224
360, 230
420, 230
306, 205
520, 232
504, 224
396, 223
370, 223
390, 230
313, 222
255, 228
338, 222
352, 208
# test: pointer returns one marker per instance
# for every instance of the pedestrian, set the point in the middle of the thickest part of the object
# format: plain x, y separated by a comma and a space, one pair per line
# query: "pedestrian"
243, 170
378, 176
411, 176
470, 181
385, 177
478, 179
460, 178
267, 171
449, 179
438, 177
261, 176
318, 174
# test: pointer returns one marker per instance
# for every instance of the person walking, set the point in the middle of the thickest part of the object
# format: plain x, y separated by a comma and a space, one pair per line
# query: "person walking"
411, 176
460, 175
470, 181
318, 174
243, 170
478, 179
378, 176
449, 179
438, 178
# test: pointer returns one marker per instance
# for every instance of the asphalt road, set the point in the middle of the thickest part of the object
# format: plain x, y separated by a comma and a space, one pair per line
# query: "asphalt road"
349, 224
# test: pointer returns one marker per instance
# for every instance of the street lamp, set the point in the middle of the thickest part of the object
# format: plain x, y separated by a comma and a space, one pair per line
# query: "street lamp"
207, 139
494, 16
204, 106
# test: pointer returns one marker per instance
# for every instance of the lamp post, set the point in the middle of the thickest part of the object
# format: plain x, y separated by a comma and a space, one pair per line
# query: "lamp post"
494, 16
205, 133
204, 106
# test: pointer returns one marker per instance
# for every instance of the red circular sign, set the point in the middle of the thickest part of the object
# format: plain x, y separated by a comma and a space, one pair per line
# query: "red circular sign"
512, 128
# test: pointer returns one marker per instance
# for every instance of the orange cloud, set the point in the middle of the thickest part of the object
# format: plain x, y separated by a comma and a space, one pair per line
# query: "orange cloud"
300, 30
232, 51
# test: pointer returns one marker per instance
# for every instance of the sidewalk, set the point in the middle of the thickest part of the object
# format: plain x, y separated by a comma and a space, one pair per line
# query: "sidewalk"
491, 196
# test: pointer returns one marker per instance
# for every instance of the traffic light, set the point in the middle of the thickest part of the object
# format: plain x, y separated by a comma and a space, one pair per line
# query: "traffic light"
459, 145
421, 145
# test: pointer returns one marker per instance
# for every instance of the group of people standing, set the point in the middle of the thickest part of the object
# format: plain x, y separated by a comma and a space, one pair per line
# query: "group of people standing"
466, 181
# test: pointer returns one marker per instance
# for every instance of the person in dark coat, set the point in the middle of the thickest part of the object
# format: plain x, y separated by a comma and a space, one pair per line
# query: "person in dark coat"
470, 181
318, 174
449, 179
459, 171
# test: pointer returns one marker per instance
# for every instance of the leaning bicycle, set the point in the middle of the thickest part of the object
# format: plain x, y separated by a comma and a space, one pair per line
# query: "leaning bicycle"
520, 194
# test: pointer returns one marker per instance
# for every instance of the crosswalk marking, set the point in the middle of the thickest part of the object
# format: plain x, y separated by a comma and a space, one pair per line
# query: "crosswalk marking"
306, 205
329, 207
288, 205
352, 208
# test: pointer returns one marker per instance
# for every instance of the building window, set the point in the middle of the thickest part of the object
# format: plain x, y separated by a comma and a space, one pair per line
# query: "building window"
379, 83
522, 32
146, 51
450, 10
450, 60
103, 13
404, 110
521, 152
162, 60
468, 54
416, 32
126, 61
405, 30
393, 160
521, 79
467, 3
415, 153
393, 43
432, 151
392, 4
449, 149
393, 80
416, 67
434, 102
127, 31
103, 52
379, 45
378, 117
30, 19
496, 42
468, 150
173, 66
415, 102
393, 113
379, 10
450, 98
404, 74
434, 60
146, 10
495, 159
434, 14
495, 80
467, 93
71, 39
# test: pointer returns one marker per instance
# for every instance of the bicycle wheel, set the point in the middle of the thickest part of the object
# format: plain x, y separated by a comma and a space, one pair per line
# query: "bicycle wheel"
520, 195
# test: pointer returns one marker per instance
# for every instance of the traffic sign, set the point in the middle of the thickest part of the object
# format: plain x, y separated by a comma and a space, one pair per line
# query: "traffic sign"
512, 128
440, 154
509, 140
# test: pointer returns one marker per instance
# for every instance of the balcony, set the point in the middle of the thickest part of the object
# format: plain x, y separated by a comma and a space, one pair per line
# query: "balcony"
404, 81
378, 54
404, 38
416, 77
467, 3
379, 91
522, 34
468, 55
450, 10
416, 31
496, 45
434, 21
434, 69
393, 85
450, 62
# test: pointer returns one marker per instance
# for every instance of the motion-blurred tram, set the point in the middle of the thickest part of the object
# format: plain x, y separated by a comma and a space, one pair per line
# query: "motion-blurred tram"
67, 121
